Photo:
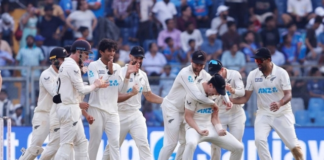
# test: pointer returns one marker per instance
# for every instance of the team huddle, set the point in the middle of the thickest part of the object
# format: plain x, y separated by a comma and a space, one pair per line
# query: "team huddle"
200, 106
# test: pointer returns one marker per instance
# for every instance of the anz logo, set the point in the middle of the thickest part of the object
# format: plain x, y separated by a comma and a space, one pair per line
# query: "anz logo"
190, 79
131, 89
268, 90
113, 83
206, 111
228, 93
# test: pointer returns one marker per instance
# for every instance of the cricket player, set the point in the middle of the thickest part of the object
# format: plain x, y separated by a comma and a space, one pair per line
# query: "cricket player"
68, 111
131, 118
103, 102
40, 122
235, 118
202, 122
173, 105
273, 89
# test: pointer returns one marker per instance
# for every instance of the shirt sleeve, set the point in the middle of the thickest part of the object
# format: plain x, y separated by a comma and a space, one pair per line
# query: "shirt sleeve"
249, 82
160, 40
48, 83
92, 74
18, 57
289, 7
146, 87
309, 6
155, 8
174, 10
184, 42
285, 81
199, 38
77, 82
239, 85
192, 90
190, 103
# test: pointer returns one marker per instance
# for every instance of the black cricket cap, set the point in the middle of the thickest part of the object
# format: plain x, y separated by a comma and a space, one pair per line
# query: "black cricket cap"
199, 57
262, 53
81, 45
137, 51
219, 83
58, 52
214, 66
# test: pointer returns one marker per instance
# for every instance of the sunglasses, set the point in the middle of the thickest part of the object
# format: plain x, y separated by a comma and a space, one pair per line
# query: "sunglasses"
259, 61
213, 62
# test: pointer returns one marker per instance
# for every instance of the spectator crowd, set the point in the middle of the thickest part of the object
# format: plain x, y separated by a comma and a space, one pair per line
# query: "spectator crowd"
170, 31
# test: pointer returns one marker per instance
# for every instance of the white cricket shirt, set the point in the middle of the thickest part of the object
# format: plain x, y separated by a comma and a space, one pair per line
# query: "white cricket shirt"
47, 89
71, 82
105, 98
134, 103
185, 84
233, 78
269, 89
203, 112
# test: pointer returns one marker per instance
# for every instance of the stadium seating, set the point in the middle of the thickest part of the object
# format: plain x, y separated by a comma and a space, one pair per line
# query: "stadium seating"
302, 118
319, 119
315, 105
297, 104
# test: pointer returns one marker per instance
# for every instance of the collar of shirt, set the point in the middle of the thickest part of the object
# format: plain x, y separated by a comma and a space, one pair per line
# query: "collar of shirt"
101, 63
274, 70
52, 70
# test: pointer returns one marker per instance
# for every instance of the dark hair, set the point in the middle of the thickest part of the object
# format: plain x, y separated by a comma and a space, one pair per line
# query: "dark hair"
231, 45
30, 36
291, 24
248, 32
110, 14
151, 45
68, 49
107, 44
313, 70
251, 23
318, 19
285, 37
187, 24
184, 8
167, 21
83, 29
269, 18
230, 24
191, 41
167, 40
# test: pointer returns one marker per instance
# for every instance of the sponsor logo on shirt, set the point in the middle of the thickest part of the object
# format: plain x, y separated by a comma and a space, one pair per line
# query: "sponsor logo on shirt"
113, 83
129, 90
189, 103
190, 79
170, 120
76, 71
199, 80
141, 89
206, 111
47, 78
91, 74
229, 81
101, 72
131, 80
228, 93
258, 79
267, 90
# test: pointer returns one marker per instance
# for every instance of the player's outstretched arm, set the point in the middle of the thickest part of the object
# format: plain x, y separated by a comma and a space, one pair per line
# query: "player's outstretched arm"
242, 100
153, 98
125, 96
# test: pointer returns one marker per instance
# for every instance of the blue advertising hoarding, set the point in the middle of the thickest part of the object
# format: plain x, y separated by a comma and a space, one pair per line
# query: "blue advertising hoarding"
311, 140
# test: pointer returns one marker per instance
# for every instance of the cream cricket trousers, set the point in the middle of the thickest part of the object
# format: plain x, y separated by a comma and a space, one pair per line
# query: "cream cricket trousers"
71, 133
54, 136
41, 125
104, 122
134, 123
228, 142
283, 125
235, 122
174, 131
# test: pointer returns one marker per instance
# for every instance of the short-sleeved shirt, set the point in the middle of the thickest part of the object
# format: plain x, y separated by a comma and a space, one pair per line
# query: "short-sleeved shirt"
98, 98
30, 57
299, 7
48, 28
121, 6
211, 49
262, 6
249, 53
164, 11
290, 53
134, 103
82, 18
316, 87
202, 112
100, 12
66, 5
269, 89
200, 7
57, 10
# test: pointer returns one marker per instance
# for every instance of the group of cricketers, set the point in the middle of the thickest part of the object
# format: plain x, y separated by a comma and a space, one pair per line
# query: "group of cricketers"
200, 106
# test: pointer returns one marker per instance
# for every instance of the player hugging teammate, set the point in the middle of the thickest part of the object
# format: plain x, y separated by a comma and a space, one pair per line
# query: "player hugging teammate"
199, 106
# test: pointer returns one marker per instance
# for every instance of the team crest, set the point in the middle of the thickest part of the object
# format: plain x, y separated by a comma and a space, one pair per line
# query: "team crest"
258, 79
190, 79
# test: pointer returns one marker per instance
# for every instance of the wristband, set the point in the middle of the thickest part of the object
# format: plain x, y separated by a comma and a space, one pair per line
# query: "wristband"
225, 98
218, 127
